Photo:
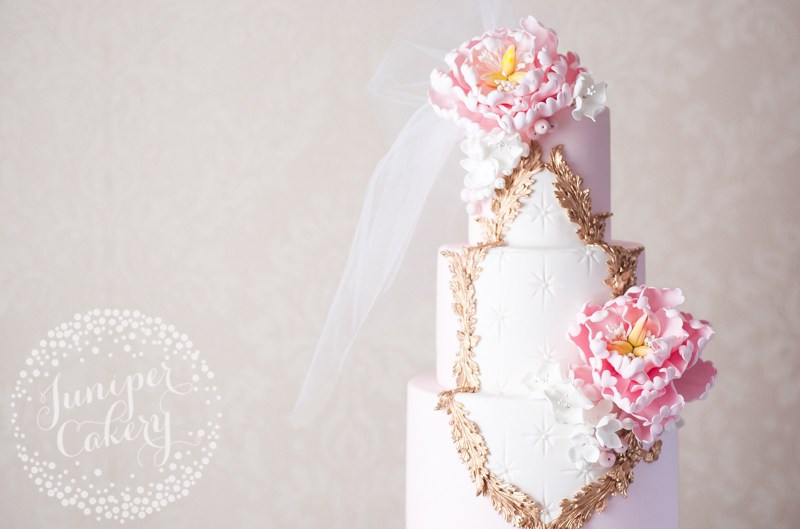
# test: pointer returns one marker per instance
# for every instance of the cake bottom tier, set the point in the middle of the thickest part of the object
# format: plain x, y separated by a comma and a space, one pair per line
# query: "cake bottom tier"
440, 495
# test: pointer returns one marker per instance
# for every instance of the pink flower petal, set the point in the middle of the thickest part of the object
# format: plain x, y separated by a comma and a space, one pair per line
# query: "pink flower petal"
696, 382
651, 390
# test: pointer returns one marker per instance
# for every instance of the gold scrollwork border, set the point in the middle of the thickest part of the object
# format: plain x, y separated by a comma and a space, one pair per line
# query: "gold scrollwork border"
465, 263
464, 271
510, 502
508, 200
591, 227
514, 505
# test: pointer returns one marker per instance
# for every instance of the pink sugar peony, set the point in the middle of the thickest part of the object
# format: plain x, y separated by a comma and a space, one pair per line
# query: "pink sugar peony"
507, 79
642, 354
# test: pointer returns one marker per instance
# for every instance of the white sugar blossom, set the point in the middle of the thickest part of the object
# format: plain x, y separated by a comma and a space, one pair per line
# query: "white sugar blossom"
481, 174
568, 401
605, 426
589, 97
606, 433
489, 157
506, 148
544, 378
597, 424
584, 450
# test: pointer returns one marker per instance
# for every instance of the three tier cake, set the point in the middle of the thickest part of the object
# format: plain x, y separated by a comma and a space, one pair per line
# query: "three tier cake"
559, 376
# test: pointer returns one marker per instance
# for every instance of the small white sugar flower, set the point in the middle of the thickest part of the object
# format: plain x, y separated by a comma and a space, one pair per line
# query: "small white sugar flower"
548, 375
585, 450
606, 432
489, 157
589, 97
568, 403
604, 425
507, 149
481, 174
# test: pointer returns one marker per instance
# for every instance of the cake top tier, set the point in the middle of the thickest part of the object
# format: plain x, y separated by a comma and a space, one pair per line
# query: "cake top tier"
509, 87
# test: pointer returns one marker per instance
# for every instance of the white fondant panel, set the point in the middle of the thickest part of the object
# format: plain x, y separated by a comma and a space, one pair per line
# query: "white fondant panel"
526, 300
528, 448
439, 493
542, 222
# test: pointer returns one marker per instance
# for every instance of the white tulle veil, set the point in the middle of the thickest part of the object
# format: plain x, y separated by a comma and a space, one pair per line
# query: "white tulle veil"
401, 182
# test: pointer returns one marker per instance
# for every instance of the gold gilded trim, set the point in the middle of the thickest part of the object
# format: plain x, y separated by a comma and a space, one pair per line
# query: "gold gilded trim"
572, 196
591, 228
621, 267
511, 503
464, 270
594, 496
514, 505
507, 201
465, 263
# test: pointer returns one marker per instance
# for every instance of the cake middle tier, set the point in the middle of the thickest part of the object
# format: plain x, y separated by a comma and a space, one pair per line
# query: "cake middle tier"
526, 299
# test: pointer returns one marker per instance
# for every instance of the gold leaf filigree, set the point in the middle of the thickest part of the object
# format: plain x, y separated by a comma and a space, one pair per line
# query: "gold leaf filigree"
569, 191
590, 227
464, 270
621, 267
511, 503
507, 201
469, 442
514, 505
464, 264
594, 496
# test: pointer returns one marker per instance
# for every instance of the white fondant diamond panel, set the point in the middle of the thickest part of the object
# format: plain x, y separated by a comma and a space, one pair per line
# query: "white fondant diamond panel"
528, 448
526, 301
441, 495
519, 291
541, 222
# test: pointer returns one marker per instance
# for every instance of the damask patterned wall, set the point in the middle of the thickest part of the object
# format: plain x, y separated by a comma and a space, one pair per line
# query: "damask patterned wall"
205, 161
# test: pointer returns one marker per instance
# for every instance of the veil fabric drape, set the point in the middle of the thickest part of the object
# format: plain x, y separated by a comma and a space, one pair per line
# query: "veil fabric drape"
400, 184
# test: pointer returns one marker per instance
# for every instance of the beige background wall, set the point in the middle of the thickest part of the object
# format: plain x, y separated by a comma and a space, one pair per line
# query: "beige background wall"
206, 160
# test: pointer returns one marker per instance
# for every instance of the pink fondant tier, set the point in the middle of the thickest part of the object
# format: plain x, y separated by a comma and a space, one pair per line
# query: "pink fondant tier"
440, 495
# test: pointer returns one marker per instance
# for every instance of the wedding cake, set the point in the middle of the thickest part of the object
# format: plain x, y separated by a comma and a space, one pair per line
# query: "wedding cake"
560, 377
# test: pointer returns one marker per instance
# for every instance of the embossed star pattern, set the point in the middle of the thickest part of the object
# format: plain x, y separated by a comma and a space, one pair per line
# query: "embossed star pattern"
501, 465
543, 285
500, 385
547, 352
498, 319
541, 435
590, 257
541, 212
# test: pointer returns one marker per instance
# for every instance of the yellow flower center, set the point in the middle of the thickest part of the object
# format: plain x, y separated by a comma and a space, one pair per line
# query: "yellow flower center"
508, 77
634, 343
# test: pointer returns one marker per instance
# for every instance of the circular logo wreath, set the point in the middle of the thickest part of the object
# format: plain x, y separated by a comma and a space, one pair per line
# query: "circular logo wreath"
115, 414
